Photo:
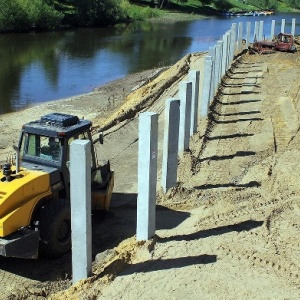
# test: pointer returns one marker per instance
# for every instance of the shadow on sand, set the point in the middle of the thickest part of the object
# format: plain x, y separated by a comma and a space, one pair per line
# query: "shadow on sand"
108, 230
243, 226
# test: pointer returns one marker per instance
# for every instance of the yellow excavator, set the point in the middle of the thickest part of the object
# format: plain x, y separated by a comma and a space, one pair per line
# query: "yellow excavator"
35, 214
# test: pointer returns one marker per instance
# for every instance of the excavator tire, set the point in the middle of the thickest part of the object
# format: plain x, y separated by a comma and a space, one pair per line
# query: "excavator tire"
54, 225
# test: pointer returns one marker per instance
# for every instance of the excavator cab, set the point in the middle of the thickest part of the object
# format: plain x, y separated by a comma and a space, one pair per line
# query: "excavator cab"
35, 192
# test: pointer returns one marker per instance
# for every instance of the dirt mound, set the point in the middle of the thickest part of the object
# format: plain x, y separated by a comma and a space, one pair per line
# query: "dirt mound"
143, 97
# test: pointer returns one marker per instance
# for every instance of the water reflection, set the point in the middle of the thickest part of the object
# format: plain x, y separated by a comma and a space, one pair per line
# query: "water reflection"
17, 57
44, 66
39, 67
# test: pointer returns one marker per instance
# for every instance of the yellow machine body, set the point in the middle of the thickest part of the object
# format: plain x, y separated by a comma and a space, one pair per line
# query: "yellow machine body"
18, 198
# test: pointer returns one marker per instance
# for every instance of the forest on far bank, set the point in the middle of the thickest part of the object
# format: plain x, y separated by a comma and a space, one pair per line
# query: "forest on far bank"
39, 15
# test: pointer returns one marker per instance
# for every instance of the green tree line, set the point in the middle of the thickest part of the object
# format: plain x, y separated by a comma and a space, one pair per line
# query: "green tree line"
272, 4
25, 15
19, 15
229, 4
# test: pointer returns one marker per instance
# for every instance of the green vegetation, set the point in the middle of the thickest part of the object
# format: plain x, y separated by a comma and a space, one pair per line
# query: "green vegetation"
197, 6
19, 15
25, 15
288, 5
279, 5
207, 7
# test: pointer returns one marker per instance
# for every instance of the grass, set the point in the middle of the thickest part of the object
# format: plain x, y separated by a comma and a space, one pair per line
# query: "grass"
239, 6
138, 12
64, 7
283, 7
190, 7
141, 9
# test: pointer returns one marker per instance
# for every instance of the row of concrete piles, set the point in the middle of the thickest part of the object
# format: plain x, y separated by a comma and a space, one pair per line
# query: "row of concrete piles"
182, 115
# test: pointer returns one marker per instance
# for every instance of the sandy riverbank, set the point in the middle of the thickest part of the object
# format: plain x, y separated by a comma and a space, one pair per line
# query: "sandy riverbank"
97, 106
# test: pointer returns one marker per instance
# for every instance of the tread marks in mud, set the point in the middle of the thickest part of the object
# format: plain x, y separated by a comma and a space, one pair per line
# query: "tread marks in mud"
272, 258
272, 265
258, 210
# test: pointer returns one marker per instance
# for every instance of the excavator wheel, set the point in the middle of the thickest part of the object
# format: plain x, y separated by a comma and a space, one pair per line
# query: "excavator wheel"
54, 224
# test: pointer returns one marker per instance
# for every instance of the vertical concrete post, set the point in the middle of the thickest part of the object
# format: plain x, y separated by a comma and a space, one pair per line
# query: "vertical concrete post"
248, 33
170, 147
229, 55
225, 54
234, 37
218, 61
256, 30
261, 31
147, 175
293, 30
228, 50
185, 96
272, 30
220, 45
240, 35
212, 53
234, 26
282, 26
80, 185
194, 77
206, 86
233, 41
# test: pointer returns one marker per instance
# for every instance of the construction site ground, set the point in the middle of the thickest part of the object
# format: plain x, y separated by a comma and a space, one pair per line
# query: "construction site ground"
228, 230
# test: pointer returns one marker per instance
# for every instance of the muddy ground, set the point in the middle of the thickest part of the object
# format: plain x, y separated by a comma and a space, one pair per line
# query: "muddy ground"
228, 230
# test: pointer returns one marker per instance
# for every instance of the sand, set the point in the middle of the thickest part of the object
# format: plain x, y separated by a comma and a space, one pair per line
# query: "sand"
228, 230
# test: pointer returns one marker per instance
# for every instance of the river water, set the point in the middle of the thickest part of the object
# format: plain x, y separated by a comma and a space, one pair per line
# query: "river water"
39, 67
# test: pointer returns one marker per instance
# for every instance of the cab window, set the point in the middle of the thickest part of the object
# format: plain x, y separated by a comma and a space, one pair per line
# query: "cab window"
42, 147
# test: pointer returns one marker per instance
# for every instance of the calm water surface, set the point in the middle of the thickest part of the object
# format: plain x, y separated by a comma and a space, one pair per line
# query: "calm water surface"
39, 67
